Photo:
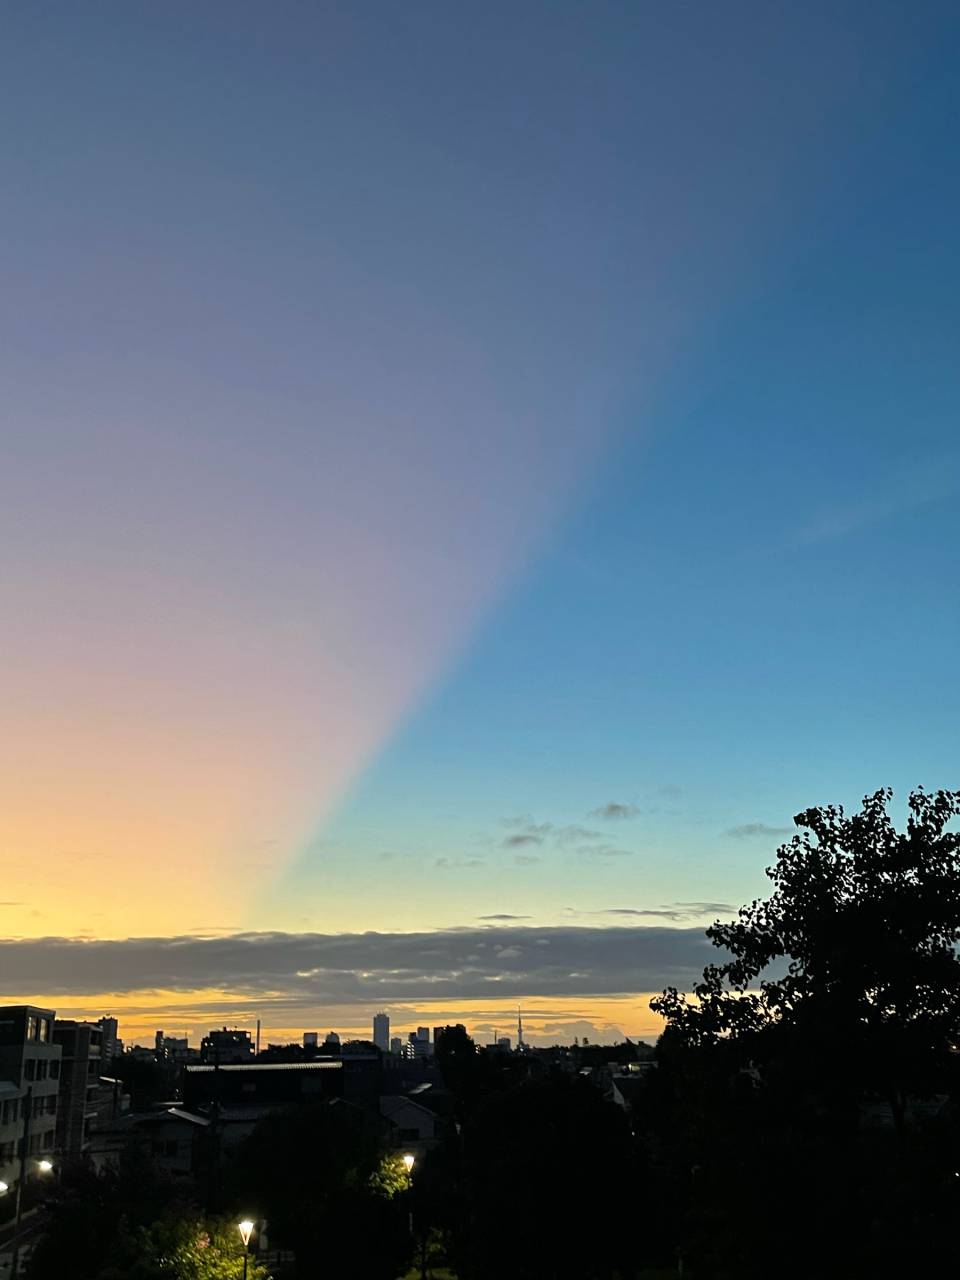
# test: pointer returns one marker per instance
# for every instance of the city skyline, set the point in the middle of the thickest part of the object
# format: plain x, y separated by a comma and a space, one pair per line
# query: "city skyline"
468, 481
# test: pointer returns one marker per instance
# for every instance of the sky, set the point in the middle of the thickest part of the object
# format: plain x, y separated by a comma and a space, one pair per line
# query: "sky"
469, 475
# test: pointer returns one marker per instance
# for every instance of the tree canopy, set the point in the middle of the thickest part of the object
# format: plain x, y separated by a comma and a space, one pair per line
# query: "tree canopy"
856, 947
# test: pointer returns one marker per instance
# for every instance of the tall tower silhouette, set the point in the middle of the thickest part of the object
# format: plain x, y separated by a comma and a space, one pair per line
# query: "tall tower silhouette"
520, 1044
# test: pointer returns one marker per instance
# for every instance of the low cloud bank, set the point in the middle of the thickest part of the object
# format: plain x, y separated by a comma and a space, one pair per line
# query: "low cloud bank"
378, 968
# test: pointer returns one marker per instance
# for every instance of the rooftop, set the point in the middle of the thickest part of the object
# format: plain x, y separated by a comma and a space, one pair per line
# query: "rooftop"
192, 1068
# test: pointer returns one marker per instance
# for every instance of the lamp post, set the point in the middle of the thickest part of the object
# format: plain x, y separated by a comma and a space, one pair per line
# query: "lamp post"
44, 1167
409, 1160
246, 1231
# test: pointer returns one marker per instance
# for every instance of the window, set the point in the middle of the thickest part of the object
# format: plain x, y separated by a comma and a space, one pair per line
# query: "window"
52, 1104
42, 1067
39, 1106
55, 1070
30, 1068
31, 1027
7, 1151
48, 1140
43, 1030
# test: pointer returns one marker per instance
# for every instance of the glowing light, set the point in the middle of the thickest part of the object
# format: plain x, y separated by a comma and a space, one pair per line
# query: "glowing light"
408, 1161
246, 1231
45, 1166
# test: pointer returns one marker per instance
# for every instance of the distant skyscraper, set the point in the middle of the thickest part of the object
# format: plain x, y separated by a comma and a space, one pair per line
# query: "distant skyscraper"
108, 1041
396, 1046
381, 1031
310, 1039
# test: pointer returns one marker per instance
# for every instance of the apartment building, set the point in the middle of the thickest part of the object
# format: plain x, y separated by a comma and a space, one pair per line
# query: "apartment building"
29, 1087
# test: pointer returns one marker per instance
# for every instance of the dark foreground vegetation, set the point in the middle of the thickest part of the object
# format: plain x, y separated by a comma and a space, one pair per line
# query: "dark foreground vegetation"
799, 1118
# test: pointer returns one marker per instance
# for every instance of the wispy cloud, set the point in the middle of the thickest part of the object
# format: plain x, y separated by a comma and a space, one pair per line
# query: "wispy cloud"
679, 911
502, 916
747, 830
910, 488
615, 810
521, 838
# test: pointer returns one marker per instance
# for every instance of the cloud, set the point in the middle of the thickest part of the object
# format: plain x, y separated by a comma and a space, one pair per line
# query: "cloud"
678, 911
12, 904
614, 810
521, 838
454, 864
604, 851
749, 829
910, 487
309, 970
574, 834
501, 916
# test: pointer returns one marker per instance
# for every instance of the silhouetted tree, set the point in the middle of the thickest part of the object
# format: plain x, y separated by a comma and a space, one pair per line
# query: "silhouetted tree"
841, 988
547, 1175
867, 921
329, 1190
92, 1210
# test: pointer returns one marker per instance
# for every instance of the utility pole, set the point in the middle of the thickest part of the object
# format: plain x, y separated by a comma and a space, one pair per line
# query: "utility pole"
18, 1211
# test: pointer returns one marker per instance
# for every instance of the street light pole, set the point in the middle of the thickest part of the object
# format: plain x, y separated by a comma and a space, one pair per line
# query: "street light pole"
246, 1231
18, 1203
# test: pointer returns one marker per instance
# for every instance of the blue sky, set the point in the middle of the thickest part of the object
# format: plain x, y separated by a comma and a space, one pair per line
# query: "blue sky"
427, 425
750, 611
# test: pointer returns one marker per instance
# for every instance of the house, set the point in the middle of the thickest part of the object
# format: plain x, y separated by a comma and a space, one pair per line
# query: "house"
414, 1127
171, 1136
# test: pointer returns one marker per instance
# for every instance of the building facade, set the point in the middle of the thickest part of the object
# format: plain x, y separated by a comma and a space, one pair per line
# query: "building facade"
29, 1090
228, 1045
80, 1092
381, 1031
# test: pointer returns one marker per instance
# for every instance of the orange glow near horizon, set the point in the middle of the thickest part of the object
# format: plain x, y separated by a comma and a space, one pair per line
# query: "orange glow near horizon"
141, 1013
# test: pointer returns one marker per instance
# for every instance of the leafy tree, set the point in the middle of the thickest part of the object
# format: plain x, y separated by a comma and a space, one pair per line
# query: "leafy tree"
841, 989
864, 924
321, 1177
92, 1209
547, 1175
181, 1247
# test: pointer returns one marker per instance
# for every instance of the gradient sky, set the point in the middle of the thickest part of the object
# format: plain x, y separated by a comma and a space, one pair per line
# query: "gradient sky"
462, 462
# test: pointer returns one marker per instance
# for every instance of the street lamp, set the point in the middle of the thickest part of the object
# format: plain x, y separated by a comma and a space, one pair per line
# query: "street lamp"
408, 1162
45, 1166
3, 1188
246, 1231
